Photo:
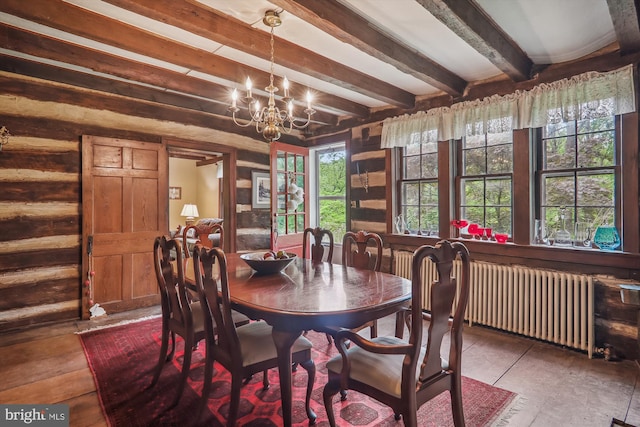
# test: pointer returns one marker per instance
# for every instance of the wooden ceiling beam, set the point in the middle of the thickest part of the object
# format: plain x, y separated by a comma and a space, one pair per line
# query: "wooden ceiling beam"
69, 18
472, 24
349, 27
46, 47
234, 33
132, 100
626, 22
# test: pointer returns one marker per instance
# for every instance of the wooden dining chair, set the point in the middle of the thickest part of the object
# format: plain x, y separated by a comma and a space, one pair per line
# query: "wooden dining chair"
317, 248
180, 316
243, 350
404, 374
360, 257
202, 233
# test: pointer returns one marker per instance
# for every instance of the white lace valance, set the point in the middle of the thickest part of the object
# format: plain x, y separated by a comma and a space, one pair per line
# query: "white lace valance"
588, 95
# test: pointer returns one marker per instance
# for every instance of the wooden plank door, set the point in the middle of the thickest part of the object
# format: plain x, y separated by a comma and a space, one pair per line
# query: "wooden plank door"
289, 165
124, 207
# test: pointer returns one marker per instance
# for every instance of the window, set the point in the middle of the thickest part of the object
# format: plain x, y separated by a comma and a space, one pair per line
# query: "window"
486, 181
578, 164
331, 180
419, 187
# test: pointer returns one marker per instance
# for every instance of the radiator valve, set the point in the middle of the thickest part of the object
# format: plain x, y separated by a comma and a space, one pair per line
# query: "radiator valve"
608, 352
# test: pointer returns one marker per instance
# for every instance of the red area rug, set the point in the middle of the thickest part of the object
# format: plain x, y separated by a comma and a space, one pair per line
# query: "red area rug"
122, 359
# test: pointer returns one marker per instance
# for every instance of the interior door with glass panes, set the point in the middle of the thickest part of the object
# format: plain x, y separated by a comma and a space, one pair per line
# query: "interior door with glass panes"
289, 197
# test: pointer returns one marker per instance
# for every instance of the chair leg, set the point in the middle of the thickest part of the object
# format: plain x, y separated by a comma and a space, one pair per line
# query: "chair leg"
206, 385
173, 346
456, 401
330, 390
186, 365
328, 338
234, 405
310, 367
265, 380
164, 345
374, 329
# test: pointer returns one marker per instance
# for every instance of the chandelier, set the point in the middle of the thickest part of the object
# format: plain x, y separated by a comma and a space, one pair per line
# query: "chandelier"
270, 120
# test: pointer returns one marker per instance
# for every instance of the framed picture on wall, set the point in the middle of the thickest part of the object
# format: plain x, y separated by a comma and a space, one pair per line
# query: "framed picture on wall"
175, 193
260, 190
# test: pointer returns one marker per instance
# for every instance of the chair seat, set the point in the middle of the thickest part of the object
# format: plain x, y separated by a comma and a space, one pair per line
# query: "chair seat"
256, 343
365, 366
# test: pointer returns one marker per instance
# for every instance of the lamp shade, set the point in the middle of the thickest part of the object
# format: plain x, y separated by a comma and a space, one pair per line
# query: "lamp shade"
189, 211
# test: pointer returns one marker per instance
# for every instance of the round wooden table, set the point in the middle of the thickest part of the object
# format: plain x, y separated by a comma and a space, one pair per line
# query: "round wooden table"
310, 296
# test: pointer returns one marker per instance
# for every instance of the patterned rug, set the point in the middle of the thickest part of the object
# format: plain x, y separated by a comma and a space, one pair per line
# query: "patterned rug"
122, 359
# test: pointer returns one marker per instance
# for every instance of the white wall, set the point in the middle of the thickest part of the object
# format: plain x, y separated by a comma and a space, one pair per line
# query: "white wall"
199, 186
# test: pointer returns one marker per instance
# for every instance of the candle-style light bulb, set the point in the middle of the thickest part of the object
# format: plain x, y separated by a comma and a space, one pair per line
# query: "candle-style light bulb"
234, 98
248, 85
309, 97
285, 85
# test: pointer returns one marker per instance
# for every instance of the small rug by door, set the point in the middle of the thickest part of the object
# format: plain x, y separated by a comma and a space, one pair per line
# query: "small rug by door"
123, 358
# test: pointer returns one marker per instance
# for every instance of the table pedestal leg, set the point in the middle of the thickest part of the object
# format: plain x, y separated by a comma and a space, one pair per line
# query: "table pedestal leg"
283, 341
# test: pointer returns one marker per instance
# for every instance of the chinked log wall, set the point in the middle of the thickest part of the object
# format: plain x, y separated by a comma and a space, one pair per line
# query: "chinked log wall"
369, 164
40, 178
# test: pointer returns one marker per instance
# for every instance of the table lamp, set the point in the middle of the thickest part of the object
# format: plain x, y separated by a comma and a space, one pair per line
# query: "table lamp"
190, 211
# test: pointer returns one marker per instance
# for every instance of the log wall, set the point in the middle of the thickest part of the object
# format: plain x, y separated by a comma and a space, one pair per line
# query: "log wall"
40, 178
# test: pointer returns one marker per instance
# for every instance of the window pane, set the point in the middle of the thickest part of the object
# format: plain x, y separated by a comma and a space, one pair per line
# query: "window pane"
410, 195
498, 192
472, 192
595, 125
412, 167
412, 150
430, 165
499, 138
333, 216
596, 150
473, 214
596, 190
280, 161
429, 193
560, 153
474, 141
332, 191
300, 222
559, 129
474, 161
299, 164
499, 159
499, 219
412, 218
558, 191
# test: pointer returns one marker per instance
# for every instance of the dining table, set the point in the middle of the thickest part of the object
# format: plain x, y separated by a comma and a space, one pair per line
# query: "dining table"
309, 295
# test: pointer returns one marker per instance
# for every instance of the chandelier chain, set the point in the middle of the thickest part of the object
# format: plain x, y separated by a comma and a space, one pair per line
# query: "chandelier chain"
272, 59
270, 120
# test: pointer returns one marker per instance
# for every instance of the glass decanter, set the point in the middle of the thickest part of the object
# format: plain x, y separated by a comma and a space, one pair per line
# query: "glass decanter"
563, 237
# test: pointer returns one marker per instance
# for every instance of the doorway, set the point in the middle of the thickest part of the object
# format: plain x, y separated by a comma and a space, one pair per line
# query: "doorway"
205, 174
